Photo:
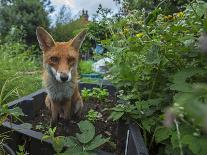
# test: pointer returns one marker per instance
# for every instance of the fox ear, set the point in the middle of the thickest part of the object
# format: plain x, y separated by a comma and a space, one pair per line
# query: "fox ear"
45, 39
78, 40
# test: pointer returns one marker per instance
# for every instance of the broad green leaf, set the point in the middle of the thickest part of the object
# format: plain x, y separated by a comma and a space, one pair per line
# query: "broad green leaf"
87, 132
58, 144
70, 141
75, 150
179, 79
115, 115
162, 133
148, 123
192, 142
97, 141
174, 140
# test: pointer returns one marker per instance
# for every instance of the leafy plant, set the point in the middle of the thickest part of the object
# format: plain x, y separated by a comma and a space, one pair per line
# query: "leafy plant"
83, 143
158, 65
21, 67
5, 111
86, 94
96, 93
85, 67
100, 94
93, 115
21, 150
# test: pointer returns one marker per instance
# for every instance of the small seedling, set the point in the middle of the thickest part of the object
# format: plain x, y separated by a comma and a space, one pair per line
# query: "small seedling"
96, 93
93, 115
86, 94
100, 94
41, 127
21, 150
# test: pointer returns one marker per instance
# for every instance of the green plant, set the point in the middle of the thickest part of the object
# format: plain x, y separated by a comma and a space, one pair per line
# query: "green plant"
93, 115
85, 67
20, 66
100, 94
96, 93
5, 111
21, 150
158, 65
83, 143
86, 94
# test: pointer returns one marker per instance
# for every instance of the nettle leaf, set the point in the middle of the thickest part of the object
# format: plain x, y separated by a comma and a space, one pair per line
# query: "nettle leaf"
97, 141
147, 123
74, 151
115, 115
179, 79
87, 132
200, 8
162, 133
152, 56
70, 141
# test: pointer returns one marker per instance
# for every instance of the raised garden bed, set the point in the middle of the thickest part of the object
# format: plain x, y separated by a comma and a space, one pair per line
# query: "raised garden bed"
33, 106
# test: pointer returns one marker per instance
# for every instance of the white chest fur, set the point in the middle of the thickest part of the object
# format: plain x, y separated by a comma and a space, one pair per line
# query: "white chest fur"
59, 91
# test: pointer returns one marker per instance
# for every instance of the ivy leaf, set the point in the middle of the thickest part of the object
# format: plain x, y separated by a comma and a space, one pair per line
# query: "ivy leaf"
162, 133
87, 132
97, 141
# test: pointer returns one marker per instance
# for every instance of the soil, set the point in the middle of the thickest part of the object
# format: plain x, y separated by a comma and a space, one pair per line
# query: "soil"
102, 125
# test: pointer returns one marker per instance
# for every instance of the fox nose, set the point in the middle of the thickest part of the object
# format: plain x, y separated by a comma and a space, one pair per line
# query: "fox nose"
63, 77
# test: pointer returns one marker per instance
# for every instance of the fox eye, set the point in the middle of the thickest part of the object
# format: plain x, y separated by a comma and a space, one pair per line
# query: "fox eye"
71, 60
54, 59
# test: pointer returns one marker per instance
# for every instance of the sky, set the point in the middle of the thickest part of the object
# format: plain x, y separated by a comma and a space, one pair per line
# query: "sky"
77, 5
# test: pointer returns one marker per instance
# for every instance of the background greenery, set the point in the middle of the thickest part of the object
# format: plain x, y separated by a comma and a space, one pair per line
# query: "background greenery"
161, 74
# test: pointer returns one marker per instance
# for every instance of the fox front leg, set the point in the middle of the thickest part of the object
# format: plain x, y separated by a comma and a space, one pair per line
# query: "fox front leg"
66, 108
53, 107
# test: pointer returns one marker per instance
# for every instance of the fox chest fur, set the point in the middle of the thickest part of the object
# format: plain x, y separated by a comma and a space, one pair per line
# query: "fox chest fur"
58, 91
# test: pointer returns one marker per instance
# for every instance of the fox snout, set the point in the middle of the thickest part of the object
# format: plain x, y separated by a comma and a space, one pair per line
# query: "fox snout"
65, 76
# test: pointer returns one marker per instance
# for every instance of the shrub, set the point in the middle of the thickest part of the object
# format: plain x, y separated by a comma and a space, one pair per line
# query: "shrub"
156, 63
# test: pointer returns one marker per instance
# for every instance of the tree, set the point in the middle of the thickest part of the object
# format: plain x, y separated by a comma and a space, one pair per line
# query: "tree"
26, 14
64, 15
168, 6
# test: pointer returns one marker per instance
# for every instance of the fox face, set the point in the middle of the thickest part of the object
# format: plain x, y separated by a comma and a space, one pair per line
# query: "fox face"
60, 58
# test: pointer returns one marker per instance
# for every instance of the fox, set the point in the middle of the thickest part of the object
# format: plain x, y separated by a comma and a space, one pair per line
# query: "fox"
60, 75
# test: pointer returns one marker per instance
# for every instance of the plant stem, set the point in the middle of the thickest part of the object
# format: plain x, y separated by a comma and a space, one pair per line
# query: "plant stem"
154, 81
179, 138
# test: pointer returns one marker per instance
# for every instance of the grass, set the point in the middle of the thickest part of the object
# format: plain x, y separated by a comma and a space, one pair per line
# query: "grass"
18, 66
